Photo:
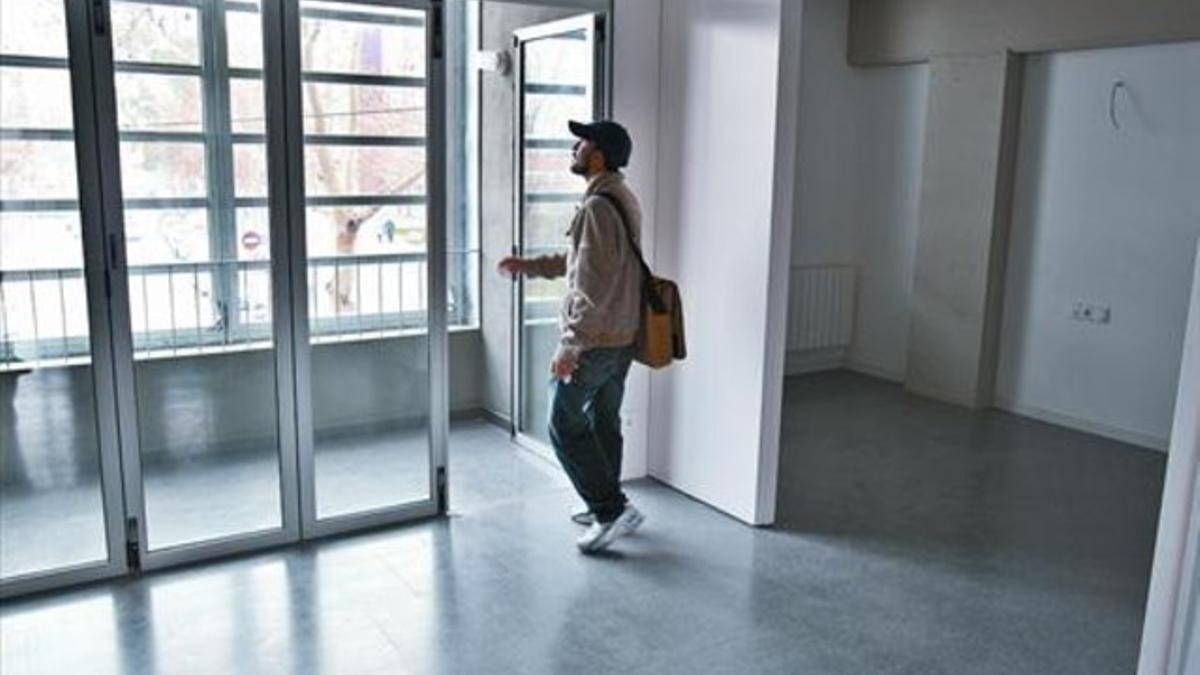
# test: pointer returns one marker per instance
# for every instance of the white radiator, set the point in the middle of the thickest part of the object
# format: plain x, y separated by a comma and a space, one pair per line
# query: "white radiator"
821, 312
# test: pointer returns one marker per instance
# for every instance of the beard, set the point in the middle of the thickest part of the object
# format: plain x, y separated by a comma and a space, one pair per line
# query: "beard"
580, 161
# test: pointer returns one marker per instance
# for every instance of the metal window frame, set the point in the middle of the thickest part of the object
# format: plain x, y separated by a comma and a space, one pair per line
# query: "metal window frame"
594, 27
141, 554
293, 77
91, 213
102, 211
221, 202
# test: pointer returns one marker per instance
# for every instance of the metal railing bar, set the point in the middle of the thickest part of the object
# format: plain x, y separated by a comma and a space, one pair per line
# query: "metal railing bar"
145, 305
358, 288
62, 306
5, 338
379, 292
337, 293
243, 302
171, 295
37, 340
348, 322
196, 301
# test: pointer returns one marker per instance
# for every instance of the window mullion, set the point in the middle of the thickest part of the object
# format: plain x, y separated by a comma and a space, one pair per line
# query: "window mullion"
222, 212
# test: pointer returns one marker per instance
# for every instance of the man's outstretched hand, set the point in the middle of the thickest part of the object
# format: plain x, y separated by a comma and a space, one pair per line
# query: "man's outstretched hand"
512, 266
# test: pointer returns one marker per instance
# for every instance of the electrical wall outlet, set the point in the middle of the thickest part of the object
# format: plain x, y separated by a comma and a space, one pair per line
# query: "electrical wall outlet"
1099, 314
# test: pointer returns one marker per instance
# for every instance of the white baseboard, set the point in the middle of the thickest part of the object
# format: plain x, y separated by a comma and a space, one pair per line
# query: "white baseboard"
1137, 438
814, 361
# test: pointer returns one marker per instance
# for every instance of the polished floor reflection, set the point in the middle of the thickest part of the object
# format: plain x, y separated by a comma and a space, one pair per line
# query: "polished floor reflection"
487, 469
914, 538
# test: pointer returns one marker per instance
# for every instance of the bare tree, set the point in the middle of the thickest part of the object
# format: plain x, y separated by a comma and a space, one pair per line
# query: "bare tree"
344, 178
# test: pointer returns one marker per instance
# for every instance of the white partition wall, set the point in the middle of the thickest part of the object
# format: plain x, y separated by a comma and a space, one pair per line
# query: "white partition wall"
714, 418
635, 70
1170, 640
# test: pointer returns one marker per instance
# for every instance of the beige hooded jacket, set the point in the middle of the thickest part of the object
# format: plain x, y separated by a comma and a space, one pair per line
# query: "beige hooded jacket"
602, 307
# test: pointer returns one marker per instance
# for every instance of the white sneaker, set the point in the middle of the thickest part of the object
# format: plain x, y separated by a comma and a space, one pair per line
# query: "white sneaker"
601, 535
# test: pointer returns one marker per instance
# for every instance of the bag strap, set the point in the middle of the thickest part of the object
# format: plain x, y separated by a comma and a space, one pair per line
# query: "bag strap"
624, 218
649, 295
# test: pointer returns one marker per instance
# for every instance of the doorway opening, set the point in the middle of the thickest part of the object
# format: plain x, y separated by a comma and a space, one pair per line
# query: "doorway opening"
529, 68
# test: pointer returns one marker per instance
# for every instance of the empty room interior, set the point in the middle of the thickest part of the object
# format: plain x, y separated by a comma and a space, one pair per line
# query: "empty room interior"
273, 399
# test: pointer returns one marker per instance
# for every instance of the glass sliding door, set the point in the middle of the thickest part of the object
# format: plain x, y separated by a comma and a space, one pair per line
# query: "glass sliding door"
212, 465
60, 499
223, 264
374, 283
560, 77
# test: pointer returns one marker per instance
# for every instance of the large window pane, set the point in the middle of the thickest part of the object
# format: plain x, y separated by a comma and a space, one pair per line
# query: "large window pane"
367, 271
335, 39
334, 170
548, 170
358, 110
564, 59
546, 223
245, 39
546, 115
161, 236
250, 170
254, 234
162, 170
381, 229
35, 98
155, 33
33, 28
555, 87
37, 169
204, 367
51, 503
40, 240
246, 101
159, 102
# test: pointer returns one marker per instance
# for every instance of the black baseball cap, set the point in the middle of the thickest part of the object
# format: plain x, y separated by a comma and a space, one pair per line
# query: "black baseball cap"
609, 136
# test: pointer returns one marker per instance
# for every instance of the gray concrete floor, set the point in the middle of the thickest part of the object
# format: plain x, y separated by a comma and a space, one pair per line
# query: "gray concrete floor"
235, 493
914, 538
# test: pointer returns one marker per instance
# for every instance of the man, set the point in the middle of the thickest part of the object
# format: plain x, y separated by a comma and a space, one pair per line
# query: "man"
598, 323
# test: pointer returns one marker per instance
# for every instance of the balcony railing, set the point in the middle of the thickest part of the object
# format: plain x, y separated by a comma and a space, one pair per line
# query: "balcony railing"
186, 308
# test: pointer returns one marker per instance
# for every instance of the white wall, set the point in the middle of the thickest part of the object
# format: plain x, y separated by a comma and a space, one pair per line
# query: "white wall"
635, 104
1191, 650
716, 160
861, 142
1171, 633
1107, 216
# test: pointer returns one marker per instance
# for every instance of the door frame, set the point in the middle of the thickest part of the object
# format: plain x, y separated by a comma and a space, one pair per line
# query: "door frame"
137, 541
79, 33
311, 526
596, 25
